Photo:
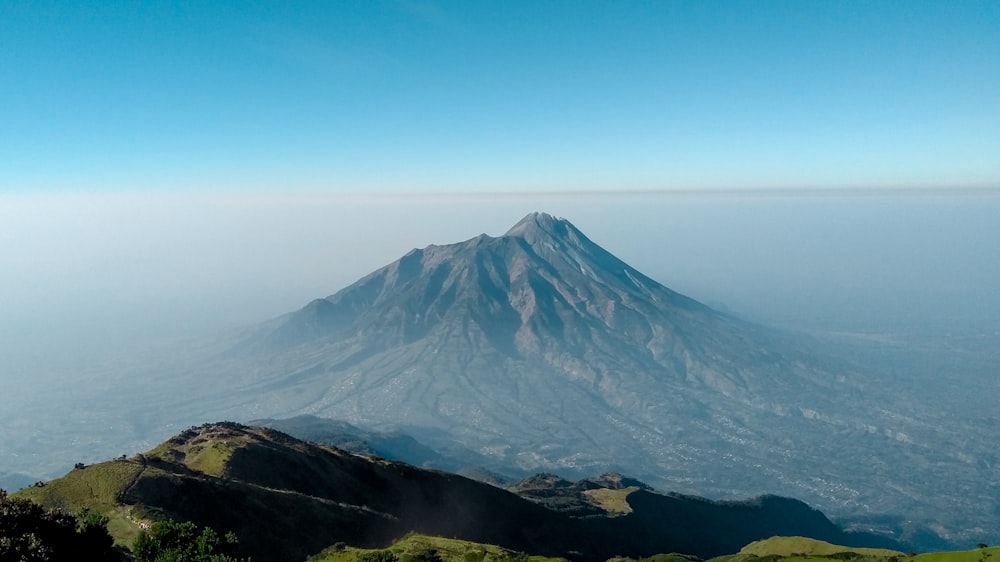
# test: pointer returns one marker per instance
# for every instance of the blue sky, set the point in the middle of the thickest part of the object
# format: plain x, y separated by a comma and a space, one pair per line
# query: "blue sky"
497, 96
179, 168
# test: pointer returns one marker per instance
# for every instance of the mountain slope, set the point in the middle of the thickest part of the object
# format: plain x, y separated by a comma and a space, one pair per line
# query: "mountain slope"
286, 499
532, 331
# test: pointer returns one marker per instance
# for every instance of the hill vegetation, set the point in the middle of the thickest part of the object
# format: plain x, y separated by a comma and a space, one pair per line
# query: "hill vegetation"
285, 499
602, 495
415, 547
803, 549
31, 533
804, 546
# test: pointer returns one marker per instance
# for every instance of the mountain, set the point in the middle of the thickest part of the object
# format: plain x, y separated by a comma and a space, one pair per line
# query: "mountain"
538, 347
286, 499
539, 350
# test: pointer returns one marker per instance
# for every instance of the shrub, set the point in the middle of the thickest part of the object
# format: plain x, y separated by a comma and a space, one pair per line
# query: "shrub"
846, 555
30, 533
474, 556
378, 556
183, 542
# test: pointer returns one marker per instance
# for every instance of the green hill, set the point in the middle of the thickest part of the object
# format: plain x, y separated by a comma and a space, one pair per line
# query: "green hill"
990, 554
99, 487
803, 549
287, 499
798, 546
415, 547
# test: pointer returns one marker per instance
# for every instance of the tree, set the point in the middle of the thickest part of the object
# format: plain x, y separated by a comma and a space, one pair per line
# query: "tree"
31, 533
424, 554
169, 541
378, 556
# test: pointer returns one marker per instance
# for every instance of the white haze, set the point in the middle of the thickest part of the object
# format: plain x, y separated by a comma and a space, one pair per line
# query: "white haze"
87, 278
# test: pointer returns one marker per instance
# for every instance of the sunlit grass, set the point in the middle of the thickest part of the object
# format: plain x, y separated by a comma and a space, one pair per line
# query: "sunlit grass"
96, 487
413, 546
210, 457
612, 501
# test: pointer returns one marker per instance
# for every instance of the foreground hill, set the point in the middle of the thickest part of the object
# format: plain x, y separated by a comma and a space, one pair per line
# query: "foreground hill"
415, 547
803, 549
804, 546
286, 499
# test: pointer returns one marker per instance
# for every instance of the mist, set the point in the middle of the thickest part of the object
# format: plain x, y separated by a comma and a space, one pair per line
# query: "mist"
86, 276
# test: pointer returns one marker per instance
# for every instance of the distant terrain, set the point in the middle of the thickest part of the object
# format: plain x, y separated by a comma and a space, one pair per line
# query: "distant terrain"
540, 351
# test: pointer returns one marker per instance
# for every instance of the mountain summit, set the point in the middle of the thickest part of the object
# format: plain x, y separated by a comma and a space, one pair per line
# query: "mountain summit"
528, 293
536, 227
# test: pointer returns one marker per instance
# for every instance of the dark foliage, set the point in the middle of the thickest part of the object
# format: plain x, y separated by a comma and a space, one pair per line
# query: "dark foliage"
167, 541
423, 555
845, 555
378, 556
29, 533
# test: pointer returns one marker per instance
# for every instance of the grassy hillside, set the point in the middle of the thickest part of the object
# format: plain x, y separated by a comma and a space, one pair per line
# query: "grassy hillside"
612, 501
416, 547
991, 554
96, 486
602, 495
99, 487
422, 548
792, 546
286, 499
802, 549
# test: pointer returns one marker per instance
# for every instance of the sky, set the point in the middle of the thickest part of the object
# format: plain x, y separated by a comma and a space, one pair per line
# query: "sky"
497, 96
176, 168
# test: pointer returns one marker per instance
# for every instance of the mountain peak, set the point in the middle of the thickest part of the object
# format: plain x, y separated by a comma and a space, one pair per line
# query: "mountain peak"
538, 225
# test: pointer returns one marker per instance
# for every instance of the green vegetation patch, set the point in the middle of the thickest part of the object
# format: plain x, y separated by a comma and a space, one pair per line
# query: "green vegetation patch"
423, 548
667, 558
803, 547
206, 448
96, 486
746, 558
612, 501
210, 456
990, 554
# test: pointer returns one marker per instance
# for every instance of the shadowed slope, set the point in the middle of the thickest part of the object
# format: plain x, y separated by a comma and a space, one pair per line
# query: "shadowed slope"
286, 499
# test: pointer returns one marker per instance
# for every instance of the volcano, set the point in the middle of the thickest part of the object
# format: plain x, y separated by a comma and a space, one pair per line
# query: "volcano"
540, 350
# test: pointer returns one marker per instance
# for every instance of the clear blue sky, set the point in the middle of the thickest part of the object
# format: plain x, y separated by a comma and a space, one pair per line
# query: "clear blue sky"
495, 96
